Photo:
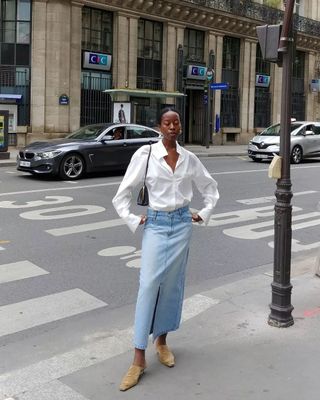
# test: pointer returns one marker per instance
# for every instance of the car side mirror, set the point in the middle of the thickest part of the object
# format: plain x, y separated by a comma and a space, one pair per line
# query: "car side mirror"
308, 133
106, 138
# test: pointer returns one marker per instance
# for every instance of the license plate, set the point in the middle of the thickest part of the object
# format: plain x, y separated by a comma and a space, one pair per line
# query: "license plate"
25, 163
261, 156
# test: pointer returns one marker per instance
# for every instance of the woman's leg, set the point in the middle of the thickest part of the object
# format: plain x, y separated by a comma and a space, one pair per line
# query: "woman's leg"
139, 358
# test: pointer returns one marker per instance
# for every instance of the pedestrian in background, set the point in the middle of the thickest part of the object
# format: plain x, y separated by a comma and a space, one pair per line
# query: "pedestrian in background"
167, 231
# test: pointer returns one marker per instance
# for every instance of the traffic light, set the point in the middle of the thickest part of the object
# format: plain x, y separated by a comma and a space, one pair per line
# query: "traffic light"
269, 37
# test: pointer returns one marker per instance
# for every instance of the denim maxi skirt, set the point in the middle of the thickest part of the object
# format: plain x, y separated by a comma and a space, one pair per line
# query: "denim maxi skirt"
165, 248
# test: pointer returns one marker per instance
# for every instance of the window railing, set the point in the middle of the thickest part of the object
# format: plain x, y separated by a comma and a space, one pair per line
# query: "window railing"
145, 82
260, 12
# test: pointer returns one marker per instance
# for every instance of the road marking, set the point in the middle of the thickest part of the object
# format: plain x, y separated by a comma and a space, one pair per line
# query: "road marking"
38, 311
19, 270
41, 214
253, 231
61, 188
101, 348
37, 203
258, 170
245, 215
70, 230
2, 248
54, 390
271, 199
297, 246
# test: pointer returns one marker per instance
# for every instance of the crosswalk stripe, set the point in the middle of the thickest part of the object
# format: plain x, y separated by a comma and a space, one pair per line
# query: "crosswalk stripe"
38, 311
19, 270
102, 347
69, 230
51, 391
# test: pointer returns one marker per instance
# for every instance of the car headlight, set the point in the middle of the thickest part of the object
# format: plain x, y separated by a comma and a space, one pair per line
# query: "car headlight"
46, 155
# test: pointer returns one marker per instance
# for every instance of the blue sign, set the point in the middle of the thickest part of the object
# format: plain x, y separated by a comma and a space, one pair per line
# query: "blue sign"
64, 100
219, 86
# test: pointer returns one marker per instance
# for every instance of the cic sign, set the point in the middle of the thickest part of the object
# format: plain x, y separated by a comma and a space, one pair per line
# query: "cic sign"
98, 61
196, 72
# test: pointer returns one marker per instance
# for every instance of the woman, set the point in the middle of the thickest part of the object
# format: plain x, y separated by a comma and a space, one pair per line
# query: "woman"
167, 232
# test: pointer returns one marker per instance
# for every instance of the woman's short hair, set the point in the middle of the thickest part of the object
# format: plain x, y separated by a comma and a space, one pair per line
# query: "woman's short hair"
164, 111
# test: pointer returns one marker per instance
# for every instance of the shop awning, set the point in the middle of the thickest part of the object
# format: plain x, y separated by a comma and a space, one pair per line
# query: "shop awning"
143, 93
10, 96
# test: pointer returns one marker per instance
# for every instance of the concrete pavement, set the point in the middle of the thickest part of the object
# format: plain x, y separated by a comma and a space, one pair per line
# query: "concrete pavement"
228, 352
200, 151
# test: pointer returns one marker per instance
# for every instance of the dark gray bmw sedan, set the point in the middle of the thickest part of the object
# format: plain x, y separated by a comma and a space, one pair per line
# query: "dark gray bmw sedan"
92, 148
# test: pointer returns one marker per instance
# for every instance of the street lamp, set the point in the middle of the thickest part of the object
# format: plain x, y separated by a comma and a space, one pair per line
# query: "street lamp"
280, 306
278, 47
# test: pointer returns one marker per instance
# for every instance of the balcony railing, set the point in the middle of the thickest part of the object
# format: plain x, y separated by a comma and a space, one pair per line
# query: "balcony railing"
259, 12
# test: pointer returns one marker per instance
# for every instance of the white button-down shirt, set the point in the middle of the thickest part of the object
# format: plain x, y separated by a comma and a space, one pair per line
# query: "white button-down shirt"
168, 190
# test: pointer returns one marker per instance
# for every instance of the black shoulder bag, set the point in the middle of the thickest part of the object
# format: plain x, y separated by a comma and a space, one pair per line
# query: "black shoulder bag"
143, 196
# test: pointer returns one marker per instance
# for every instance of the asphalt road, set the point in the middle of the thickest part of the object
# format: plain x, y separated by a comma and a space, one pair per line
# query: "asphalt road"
69, 267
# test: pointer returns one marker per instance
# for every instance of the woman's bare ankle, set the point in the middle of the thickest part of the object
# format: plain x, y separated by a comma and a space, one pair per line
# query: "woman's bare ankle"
139, 358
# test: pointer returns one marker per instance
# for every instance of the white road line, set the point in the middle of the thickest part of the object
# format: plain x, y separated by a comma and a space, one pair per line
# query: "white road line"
102, 347
253, 231
38, 311
19, 270
60, 188
69, 230
270, 199
258, 170
2, 248
54, 390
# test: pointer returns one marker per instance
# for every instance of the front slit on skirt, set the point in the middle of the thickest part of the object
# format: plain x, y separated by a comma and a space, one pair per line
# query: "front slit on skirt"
165, 248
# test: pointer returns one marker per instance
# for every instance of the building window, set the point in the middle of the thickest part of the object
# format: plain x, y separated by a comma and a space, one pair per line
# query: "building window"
15, 32
149, 63
230, 100
96, 30
262, 102
193, 47
298, 86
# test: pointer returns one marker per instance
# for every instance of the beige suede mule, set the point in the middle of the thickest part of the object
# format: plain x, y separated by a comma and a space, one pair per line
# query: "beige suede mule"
132, 377
165, 355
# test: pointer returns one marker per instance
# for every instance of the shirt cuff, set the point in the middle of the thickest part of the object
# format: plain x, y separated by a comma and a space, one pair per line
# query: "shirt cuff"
205, 214
132, 221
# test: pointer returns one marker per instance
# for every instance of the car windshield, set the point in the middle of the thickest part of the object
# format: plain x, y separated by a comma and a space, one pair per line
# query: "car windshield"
274, 130
87, 132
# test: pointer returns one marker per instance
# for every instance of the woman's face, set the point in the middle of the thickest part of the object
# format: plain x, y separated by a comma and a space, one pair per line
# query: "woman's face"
170, 125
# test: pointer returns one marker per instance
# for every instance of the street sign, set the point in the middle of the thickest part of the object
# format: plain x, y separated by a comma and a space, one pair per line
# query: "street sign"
219, 86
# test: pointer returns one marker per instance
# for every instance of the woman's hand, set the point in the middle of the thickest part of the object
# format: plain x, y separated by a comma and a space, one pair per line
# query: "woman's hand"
143, 219
196, 218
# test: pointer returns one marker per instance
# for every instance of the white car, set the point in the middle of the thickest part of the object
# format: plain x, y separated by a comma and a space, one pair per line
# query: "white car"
305, 142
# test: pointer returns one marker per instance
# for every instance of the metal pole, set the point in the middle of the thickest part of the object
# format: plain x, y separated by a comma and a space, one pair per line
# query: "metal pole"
280, 306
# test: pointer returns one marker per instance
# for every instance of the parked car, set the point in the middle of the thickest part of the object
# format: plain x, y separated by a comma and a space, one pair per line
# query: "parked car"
305, 142
92, 148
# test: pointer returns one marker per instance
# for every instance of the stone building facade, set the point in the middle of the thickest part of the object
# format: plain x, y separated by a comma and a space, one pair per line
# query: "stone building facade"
75, 60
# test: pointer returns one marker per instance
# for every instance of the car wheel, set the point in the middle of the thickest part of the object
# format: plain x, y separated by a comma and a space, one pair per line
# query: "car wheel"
296, 155
256, 159
72, 166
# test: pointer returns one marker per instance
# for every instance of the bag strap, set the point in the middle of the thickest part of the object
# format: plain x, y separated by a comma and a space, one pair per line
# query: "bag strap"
145, 175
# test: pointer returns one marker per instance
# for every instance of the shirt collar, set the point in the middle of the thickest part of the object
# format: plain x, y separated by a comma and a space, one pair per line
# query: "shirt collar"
160, 151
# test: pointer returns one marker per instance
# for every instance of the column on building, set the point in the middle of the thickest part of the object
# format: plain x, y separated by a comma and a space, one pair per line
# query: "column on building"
215, 43
56, 50
308, 73
75, 66
38, 62
125, 57
276, 87
247, 90
174, 37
